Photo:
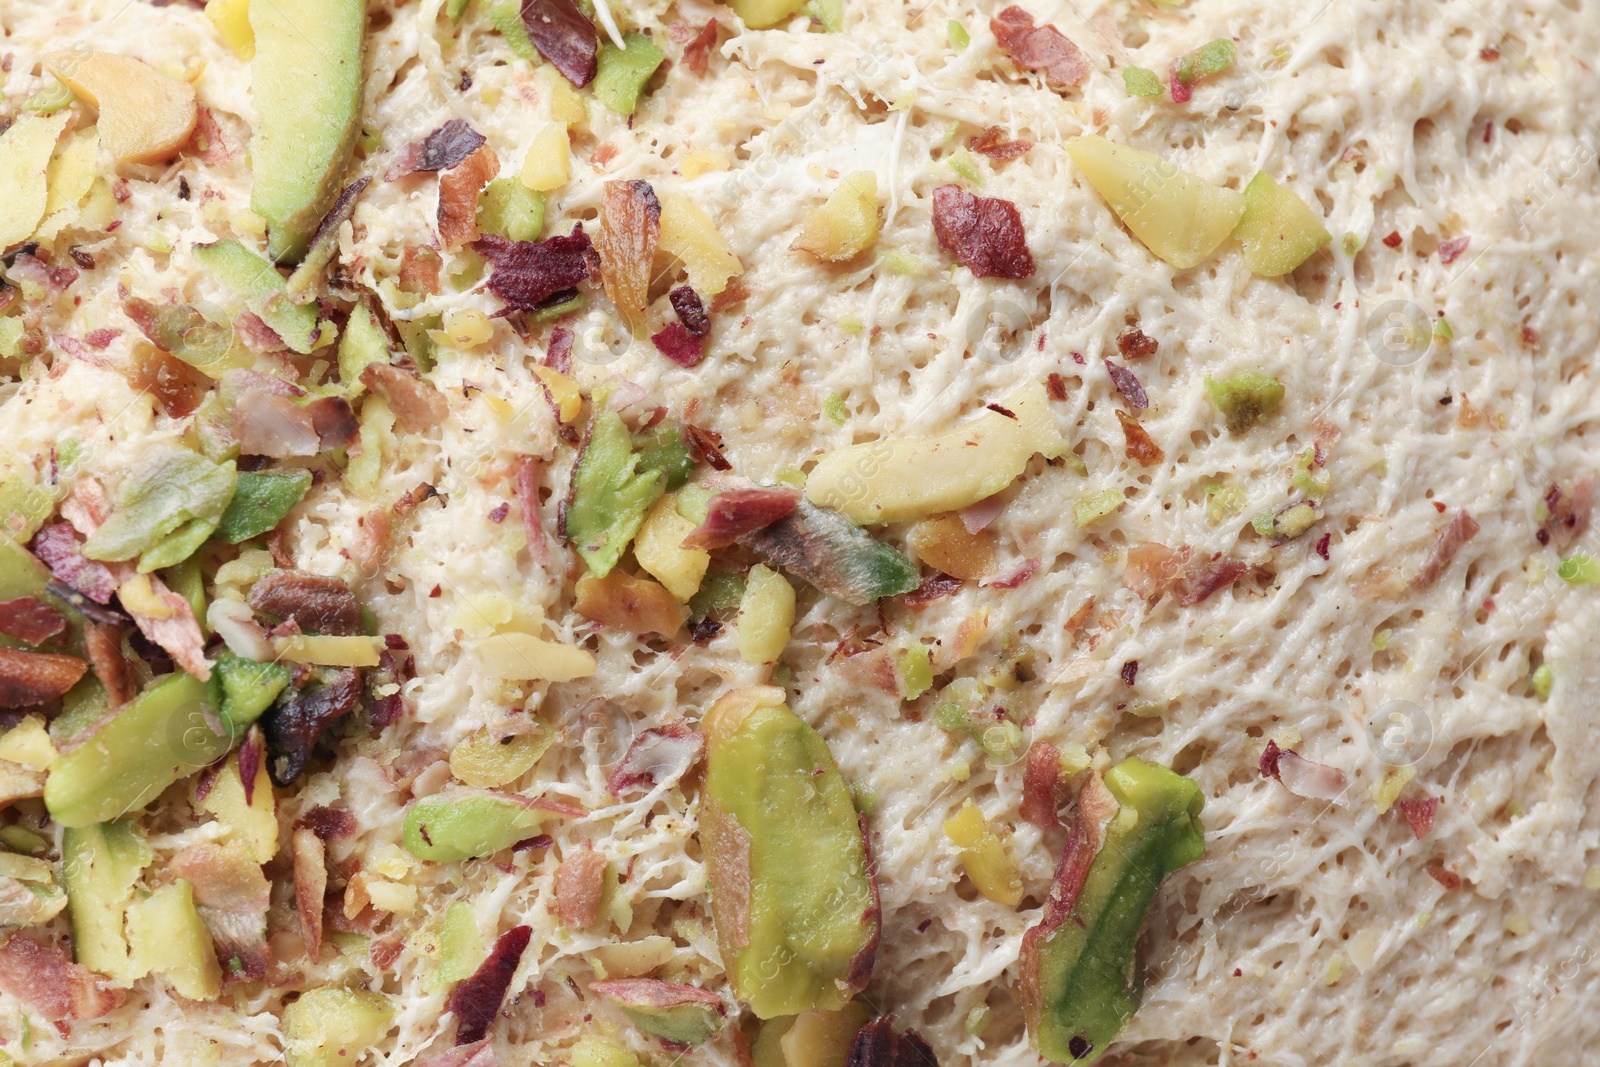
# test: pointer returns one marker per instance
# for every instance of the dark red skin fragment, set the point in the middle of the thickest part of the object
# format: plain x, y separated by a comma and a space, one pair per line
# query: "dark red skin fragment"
317, 604
691, 310
250, 756
994, 143
1182, 91
1042, 787
386, 710
1027, 570
476, 999
703, 630
880, 1045
697, 53
528, 273
30, 620
1041, 48
1462, 529
1322, 545
1128, 385
1419, 813
1056, 386
736, 512
334, 421
528, 471
985, 234
1269, 760
935, 587
385, 951
706, 446
563, 36
679, 345
1130, 671
1137, 443
1450, 251
1134, 343
660, 750
559, 355
1447, 878
1394, 239
1199, 581
440, 150
294, 728
328, 823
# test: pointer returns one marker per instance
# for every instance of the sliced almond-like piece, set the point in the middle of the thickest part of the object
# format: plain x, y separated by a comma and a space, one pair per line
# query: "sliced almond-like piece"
145, 116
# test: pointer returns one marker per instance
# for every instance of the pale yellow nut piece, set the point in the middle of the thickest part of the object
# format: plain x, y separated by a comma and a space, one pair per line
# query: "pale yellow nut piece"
593, 1051
759, 14
845, 226
328, 651
766, 615
547, 165
72, 170
984, 856
688, 234
466, 328
822, 1038
888, 480
1179, 216
629, 959
141, 598
659, 549
695, 164
25, 151
334, 1027
253, 826
564, 391
566, 105
1279, 231
524, 657
232, 20
493, 758
145, 116
166, 936
28, 744
393, 897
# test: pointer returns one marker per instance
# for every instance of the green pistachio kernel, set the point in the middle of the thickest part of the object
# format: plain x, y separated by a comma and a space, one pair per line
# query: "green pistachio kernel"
174, 487
1245, 399
681, 1014
460, 824
1579, 569
166, 733
611, 491
1080, 967
1090, 510
507, 18
792, 895
1141, 82
621, 73
260, 501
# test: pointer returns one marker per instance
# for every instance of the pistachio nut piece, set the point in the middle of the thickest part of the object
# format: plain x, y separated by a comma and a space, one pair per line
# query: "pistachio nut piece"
682, 1014
793, 892
164, 734
1080, 969
459, 824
